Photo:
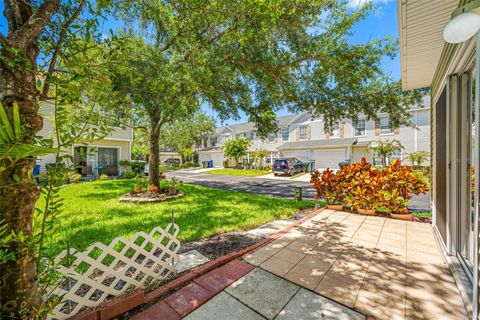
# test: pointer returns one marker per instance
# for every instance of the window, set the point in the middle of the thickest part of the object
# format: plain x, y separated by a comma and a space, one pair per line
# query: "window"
335, 129
397, 155
213, 141
303, 132
285, 134
205, 143
248, 135
385, 125
360, 128
271, 137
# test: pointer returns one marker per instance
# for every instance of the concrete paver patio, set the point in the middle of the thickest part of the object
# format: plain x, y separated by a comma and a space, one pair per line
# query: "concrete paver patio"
390, 269
336, 265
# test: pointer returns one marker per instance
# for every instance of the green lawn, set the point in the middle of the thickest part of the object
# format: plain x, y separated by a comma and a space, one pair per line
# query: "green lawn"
93, 213
165, 167
239, 172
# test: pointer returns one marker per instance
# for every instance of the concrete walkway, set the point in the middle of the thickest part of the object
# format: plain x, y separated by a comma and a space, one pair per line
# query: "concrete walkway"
334, 266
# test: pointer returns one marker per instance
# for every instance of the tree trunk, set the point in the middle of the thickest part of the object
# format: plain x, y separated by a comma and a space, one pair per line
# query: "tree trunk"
154, 149
19, 291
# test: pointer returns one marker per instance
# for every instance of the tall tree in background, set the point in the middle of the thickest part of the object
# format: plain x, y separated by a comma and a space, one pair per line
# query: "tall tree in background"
183, 135
257, 58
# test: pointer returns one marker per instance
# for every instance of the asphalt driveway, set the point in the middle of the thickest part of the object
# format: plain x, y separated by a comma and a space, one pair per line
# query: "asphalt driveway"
271, 187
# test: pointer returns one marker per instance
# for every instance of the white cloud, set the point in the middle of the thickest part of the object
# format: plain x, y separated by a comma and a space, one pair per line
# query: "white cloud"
359, 3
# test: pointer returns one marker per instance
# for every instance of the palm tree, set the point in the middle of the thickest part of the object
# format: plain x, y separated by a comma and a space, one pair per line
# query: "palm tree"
418, 157
385, 149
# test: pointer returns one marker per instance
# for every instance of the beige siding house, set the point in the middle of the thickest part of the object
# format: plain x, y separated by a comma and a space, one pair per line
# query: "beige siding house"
98, 157
304, 138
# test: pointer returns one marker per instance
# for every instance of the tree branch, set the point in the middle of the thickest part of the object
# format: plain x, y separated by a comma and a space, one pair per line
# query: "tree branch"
58, 46
35, 24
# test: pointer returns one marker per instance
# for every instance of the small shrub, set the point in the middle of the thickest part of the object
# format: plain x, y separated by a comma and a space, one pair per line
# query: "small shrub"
129, 174
75, 177
124, 163
138, 166
140, 181
103, 177
361, 184
327, 186
399, 183
187, 165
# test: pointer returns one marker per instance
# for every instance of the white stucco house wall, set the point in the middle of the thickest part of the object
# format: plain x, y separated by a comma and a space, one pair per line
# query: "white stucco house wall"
304, 138
101, 156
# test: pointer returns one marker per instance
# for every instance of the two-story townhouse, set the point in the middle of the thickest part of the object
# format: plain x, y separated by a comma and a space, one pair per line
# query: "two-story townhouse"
95, 158
304, 138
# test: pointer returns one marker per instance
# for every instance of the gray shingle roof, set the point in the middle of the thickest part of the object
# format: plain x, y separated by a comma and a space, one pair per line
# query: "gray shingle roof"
283, 121
325, 143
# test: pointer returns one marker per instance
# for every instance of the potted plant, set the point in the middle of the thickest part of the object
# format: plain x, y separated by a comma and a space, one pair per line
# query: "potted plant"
361, 183
399, 184
139, 183
327, 186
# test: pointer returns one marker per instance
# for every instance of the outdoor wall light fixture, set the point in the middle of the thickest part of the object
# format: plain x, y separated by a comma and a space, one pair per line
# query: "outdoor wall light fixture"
462, 27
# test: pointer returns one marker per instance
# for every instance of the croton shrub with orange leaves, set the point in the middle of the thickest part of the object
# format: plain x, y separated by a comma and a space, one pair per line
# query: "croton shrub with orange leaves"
363, 186
328, 187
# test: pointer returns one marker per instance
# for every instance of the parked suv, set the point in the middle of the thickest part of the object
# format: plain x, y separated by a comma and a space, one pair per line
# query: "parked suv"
288, 166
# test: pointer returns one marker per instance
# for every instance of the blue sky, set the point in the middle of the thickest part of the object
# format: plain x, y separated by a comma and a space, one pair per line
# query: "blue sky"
383, 23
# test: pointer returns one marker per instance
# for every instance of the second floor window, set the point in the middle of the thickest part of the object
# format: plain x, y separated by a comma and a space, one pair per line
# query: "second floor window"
285, 134
303, 132
271, 137
360, 128
335, 129
205, 143
248, 135
385, 127
213, 141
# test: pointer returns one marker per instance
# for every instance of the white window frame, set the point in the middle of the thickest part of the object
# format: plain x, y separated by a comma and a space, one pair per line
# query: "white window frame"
303, 131
285, 132
213, 141
364, 128
385, 131
336, 129
271, 137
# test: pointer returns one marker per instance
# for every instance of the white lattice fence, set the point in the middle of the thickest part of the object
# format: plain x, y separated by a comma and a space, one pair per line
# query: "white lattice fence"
101, 271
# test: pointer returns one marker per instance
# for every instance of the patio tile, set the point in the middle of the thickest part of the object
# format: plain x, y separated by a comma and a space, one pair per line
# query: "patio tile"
289, 255
302, 246
218, 279
263, 292
269, 228
224, 307
306, 305
190, 260
338, 290
159, 311
320, 261
381, 307
188, 299
256, 258
274, 246
306, 277
278, 266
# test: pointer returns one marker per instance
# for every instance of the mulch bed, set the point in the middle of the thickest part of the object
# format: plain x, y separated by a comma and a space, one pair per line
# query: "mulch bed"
221, 244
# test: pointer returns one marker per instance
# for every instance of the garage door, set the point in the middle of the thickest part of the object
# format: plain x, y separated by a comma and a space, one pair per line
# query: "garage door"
329, 158
217, 159
304, 155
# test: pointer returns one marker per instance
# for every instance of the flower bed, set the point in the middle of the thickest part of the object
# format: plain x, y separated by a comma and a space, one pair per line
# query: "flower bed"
365, 188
